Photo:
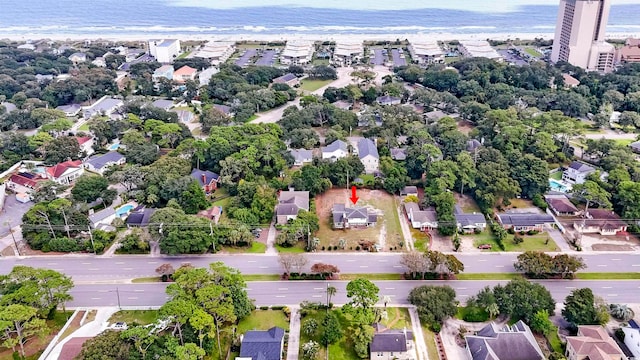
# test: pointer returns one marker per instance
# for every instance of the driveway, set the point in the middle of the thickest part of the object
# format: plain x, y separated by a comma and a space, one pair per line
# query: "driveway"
11, 214
294, 334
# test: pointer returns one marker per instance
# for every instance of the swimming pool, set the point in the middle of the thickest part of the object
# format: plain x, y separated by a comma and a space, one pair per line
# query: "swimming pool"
123, 210
114, 147
555, 185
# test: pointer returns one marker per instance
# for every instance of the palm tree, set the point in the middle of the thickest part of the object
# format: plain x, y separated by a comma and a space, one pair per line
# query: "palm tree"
493, 310
331, 291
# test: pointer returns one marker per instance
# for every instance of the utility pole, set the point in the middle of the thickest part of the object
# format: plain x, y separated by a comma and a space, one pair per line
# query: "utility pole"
118, 295
92, 243
213, 241
15, 243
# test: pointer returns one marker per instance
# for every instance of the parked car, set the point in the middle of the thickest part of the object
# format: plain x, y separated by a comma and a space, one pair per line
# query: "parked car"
484, 246
120, 326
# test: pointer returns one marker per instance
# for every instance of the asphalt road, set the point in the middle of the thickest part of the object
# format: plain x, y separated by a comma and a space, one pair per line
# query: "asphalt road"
294, 292
90, 268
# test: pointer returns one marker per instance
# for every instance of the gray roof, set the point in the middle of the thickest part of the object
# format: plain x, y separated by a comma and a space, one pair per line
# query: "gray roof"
140, 217
525, 219
106, 104
284, 78
398, 154
509, 343
262, 344
409, 190
100, 161
473, 144
425, 216
206, 174
223, 108
367, 147
300, 155
342, 213
411, 206
183, 115
71, 108
335, 146
581, 167
101, 215
387, 100
163, 104
390, 341
290, 202
465, 219
9, 107
635, 145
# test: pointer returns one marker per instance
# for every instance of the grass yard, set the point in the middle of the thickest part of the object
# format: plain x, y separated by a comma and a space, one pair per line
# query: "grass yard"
299, 248
608, 276
397, 318
520, 203
488, 276
372, 277
537, 242
149, 279
430, 340
451, 59
379, 200
420, 240
533, 52
256, 248
142, 317
313, 85
342, 350
261, 277
623, 142
554, 341
75, 325
84, 127
263, 320
556, 175
34, 347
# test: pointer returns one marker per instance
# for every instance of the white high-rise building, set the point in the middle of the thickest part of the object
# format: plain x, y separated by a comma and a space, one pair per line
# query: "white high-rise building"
164, 50
580, 35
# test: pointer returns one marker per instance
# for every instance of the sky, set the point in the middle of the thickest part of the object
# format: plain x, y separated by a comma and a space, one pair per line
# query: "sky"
471, 5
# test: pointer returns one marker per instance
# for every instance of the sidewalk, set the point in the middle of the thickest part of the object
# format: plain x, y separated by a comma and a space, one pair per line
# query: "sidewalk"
418, 336
271, 241
91, 329
294, 334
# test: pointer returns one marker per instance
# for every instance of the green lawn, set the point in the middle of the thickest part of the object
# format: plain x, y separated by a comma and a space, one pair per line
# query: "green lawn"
313, 85
420, 240
84, 127
261, 277
623, 142
531, 242
256, 248
451, 59
299, 248
554, 341
142, 317
263, 320
488, 276
609, 276
556, 175
430, 340
342, 350
252, 117
183, 55
397, 318
533, 52
373, 277
146, 279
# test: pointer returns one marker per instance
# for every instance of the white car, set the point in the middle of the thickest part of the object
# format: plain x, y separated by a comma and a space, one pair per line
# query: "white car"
120, 326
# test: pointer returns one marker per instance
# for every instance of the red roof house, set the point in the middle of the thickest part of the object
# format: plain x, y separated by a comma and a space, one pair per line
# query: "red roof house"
65, 172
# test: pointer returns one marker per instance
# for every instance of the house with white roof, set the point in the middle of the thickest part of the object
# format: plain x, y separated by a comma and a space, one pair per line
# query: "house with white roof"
301, 156
205, 75
508, 342
297, 53
163, 72
86, 144
426, 52
368, 154
347, 53
217, 52
632, 338
164, 50
336, 150
102, 217
106, 106
78, 57
163, 104
479, 48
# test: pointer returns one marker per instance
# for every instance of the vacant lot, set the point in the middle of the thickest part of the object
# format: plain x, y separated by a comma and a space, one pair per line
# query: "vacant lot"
386, 232
141, 317
263, 320
313, 85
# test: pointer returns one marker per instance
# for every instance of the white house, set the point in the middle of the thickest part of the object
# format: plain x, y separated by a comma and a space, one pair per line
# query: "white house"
105, 217
346, 54
421, 219
78, 57
632, 338
290, 203
368, 154
100, 163
164, 50
336, 150
577, 172
301, 156
216, 52
426, 52
86, 144
105, 106
66, 172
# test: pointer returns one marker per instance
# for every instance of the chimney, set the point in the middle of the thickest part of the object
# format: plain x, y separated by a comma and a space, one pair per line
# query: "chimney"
204, 179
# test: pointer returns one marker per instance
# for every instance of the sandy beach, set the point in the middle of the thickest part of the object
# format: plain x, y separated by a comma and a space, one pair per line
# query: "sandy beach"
294, 36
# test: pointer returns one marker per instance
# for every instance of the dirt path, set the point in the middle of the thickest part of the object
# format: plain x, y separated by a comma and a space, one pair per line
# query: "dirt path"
383, 237
406, 231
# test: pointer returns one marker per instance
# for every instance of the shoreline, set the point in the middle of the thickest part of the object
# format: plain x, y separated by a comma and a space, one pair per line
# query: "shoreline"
293, 36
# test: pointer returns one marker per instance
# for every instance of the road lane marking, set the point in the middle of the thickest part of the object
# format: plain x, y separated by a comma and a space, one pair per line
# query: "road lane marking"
120, 263
480, 260
52, 263
283, 289
607, 287
351, 260
127, 268
389, 288
280, 296
602, 265
95, 298
569, 287
462, 288
615, 259
635, 265
251, 261
499, 266
138, 290
86, 263
132, 298
318, 288
612, 295
397, 266
382, 260
316, 296
103, 291
152, 262
364, 266
263, 267
94, 269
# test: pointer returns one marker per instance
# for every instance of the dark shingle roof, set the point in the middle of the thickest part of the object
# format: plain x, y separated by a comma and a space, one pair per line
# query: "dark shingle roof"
262, 344
398, 154
141, 217
367, 147
98, 162
509, 343
206, 174
390, 341
581, 167
562, 205
525, 219
284, 78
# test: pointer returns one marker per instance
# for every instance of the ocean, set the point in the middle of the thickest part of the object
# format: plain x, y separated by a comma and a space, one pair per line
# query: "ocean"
161, 17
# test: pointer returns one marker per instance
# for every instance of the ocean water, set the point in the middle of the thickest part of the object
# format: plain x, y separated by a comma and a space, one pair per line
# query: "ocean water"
203, 17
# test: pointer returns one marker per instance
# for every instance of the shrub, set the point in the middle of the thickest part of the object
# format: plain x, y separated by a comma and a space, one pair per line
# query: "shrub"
358, 248
475, 314
511, 231
277, 307
517, 239
264, 307
477, 231
621, 312
619, 334
64, 244
533, 232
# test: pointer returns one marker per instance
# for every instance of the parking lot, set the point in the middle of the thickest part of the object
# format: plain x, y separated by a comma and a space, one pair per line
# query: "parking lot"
246, 57
398, 59
268, 58
378, 57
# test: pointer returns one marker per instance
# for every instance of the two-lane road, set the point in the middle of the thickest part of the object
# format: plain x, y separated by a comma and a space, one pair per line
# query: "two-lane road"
91, 268
294, 292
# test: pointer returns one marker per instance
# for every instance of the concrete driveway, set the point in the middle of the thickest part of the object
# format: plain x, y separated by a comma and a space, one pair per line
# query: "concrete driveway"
11, 214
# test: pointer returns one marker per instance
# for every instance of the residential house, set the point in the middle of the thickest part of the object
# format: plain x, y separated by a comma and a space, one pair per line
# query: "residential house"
525, 221
635, 147
630, 52
289, 79
632, 338
399, 154
262, 344
336, 150
570, 81
27, 46
86, 144
368, 154
593, 342
347, 53
163, 72
24, 183
165, 105
301, 156
65, 173
164, 50
140, 217
100, 163
344, 217
515, 342
207, 179
289, 204
421, 219
99, 61
602, 221
560, 205
224, 109
78, 57
70, 110
184, 74
409, 191
473, 145
388, 100
204, 77
106, 106
391, 344
577, 172
102, 217
469, 222
342, 104
213, 213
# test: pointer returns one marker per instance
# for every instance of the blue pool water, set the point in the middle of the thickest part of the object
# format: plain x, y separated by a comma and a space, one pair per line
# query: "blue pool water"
114, 147
124, 209
557, 186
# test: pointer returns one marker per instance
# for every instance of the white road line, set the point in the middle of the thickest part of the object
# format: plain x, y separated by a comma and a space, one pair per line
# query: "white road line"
133, 298
615, 259
138, 290
382, 260
251, 261
480, 260
364, 266
612, 295
318, 288
316, 296
263, 267
152, 262
52, 263
127, 268
94, 269
103, 290
95, 298
397, 266
120, 263
86, 263
389, 288
569, 287
602, 265
607, 287
499, 266
461, 288
351, 260
635, 265
280, 296
283, 289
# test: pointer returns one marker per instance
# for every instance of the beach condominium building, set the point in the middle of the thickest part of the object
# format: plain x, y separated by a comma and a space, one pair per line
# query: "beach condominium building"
346, 54
297, 53
580, 35
164, 50
426, 52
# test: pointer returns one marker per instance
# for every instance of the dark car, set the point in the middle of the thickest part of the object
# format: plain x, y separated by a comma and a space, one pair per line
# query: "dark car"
484, 246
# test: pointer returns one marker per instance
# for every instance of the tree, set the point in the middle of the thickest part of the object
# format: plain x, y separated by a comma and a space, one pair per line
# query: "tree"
89, 187
165, 270
42, 289
106, 345
320, 268
592, 193
291, 261
621, 312
581, 308
310, 350
331, 329
190, 351
363, 294
142, 338
416, 262
61, 149
434, 303
216, 301
310, 178
540, 323
361, 335
193, 198
20, 324
521, 299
